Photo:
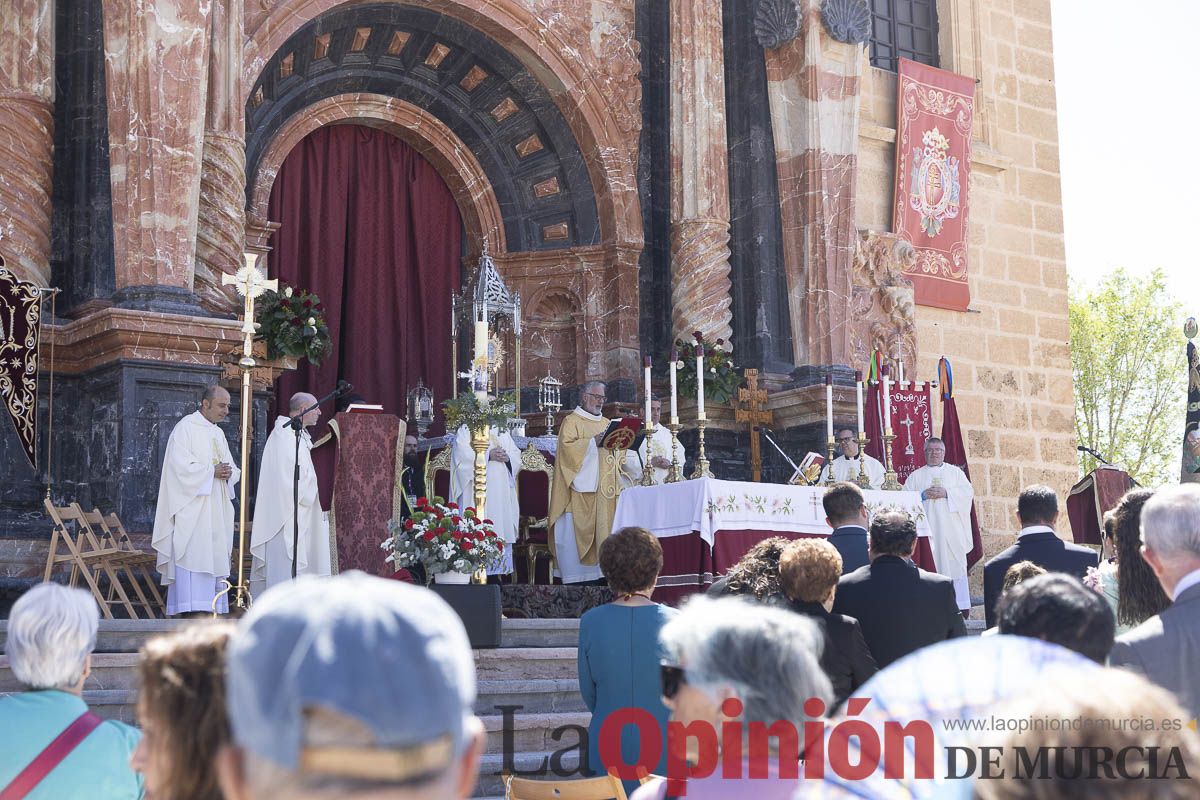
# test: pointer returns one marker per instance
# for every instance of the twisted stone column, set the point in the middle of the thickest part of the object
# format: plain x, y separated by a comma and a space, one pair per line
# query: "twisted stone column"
700, 285
27, 146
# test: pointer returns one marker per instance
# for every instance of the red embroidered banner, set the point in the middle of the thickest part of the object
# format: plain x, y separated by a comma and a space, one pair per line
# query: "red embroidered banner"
935, 111
912, 424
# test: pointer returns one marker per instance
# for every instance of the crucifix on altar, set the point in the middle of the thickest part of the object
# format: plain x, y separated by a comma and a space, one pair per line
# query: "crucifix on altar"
753, 398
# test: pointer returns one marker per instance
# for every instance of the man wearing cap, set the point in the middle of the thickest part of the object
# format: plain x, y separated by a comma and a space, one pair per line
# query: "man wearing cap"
348, 686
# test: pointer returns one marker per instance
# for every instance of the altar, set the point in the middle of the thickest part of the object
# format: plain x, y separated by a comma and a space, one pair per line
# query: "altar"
706, 525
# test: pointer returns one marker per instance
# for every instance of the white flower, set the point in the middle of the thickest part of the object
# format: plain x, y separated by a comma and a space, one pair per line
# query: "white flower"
312, 322
287, 291
713, 370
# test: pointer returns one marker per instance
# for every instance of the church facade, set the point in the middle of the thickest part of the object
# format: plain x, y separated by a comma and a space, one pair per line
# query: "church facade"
638, 169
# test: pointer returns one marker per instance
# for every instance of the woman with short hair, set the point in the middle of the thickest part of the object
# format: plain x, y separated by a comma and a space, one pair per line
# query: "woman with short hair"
181, 708
51, 634
809, 570
618, 645
733, 661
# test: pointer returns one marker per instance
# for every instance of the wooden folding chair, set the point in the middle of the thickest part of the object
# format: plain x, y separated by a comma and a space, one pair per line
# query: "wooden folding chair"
137, 564
607, 787
85, 556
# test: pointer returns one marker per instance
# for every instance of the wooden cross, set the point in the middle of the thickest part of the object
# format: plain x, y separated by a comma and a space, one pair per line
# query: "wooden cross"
754, 414
250, 283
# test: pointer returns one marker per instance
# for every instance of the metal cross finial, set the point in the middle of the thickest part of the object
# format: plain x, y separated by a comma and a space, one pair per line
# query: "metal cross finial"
908, 422
250, 283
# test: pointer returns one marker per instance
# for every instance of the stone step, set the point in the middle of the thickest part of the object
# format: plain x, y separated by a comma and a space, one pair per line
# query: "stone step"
533, 733
128, 635
492, 765
109, 671
528, 662
541, 696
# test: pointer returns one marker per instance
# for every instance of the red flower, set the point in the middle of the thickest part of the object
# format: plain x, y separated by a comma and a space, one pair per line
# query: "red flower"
452, 505
488, 522
698, 336
720, 341
308, 303
296, 321
429, 537
501, 546
408, 525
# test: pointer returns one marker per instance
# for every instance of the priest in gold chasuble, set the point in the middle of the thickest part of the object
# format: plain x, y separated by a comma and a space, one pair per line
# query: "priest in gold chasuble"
583, 499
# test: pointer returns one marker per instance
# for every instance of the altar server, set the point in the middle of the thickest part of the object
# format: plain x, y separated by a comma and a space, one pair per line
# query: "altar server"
271, 540
655, 450
503, 464
845, 466
946, 495
193, 522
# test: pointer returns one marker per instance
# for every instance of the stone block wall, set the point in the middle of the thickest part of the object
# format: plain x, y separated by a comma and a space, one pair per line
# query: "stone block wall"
1010, 352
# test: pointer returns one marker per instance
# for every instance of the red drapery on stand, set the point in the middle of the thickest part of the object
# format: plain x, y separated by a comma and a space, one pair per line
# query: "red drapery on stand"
369, 225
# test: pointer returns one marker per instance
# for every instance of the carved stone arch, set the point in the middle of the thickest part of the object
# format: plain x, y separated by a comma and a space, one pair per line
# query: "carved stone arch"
472, 86
551, 336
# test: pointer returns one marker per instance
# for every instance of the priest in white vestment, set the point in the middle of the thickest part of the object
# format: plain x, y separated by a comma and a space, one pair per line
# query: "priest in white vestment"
193, 521
273, 535
503, 464
946, 495
655, 451
845, 466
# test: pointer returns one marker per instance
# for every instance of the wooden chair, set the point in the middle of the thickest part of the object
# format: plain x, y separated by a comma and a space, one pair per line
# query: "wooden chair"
86, 557
136, 564
607, 787
439, 463
533, 463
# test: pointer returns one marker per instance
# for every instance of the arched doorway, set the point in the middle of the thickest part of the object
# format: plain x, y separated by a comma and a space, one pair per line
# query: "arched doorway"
368, 224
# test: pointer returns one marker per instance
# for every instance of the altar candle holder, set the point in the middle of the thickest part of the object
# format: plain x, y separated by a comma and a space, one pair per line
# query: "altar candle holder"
647, 467
675, 474
829, 479
863, 480
890, 481
702, 470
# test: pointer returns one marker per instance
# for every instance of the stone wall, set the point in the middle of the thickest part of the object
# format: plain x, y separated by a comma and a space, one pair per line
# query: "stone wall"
1010, 351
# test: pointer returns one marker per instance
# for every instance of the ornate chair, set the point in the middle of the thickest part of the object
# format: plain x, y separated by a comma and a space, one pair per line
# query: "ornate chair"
534, 535
435, 465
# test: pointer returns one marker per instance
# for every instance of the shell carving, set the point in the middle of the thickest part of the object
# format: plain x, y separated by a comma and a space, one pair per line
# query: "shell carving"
846, 21
776, 22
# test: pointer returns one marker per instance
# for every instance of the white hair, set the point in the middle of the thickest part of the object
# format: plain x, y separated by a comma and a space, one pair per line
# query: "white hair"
770, 657
51, 631
1171, 521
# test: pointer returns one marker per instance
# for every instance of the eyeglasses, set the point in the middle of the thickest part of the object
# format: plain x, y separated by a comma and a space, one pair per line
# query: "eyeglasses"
590, 394
672, 678
844, 439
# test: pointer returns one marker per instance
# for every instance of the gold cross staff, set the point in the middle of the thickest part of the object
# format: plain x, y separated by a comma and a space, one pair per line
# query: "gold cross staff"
250, 283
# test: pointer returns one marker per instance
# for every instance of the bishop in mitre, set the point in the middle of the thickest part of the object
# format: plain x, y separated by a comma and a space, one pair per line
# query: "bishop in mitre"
583, 499
193, 522
273, 542
655, 451
503, 464
845, 466
946, 495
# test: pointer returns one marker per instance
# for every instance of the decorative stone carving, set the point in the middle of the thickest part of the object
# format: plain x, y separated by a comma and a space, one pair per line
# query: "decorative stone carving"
883, 310
847, 21
701, 288
776, 22
221, 222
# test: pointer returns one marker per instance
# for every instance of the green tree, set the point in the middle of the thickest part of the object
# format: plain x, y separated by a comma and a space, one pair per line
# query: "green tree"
1127, 360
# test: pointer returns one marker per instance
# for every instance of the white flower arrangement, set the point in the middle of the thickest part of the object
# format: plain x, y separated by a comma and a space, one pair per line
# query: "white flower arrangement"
443, 538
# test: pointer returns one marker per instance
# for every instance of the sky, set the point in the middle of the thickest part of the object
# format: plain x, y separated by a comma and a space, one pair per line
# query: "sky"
1129, 137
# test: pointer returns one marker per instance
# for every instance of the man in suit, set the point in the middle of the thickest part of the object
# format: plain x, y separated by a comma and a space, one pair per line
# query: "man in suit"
900, 607
1166, 647
846, 513
1037, 511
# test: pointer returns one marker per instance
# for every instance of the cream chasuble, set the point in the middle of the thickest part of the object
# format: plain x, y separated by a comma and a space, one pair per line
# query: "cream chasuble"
272, 534
846, 469
949, 521
193, 522
501, 504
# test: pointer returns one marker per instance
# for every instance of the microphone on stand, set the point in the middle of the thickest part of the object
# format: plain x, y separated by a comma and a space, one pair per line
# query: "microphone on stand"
765, 432
1094, 454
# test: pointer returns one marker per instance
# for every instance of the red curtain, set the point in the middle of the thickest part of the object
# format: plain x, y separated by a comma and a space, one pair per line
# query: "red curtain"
368, 225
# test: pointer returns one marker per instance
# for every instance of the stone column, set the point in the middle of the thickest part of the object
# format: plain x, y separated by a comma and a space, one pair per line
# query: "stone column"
813, 78
700, 285
156, 65
27, 144
221, 218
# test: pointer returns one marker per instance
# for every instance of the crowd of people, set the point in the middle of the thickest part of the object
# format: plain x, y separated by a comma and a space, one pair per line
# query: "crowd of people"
354, 686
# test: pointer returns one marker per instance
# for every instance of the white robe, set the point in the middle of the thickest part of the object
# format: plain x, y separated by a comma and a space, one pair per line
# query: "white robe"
949, 522
657, 444
501, 505
272, 534
193, 521
846, 469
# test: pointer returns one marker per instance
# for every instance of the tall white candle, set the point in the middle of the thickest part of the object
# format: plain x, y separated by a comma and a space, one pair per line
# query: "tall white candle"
646, 419
901, 376
858, 390
674, 397
481, 351
700, 382
887, 404
828, 406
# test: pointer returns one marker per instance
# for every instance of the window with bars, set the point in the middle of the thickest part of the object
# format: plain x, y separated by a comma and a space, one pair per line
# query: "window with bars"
903, 29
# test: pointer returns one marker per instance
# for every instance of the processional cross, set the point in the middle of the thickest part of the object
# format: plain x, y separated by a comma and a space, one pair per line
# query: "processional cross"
907, 422
250, 283
752, 397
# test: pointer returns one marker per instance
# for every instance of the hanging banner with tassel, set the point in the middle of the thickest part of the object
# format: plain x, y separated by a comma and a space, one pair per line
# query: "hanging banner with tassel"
20, 329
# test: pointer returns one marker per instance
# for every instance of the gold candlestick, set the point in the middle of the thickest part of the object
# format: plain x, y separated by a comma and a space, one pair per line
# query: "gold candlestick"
829, 479
701, 470
647, 467
890, 482
863, 480
479, 443
675, 474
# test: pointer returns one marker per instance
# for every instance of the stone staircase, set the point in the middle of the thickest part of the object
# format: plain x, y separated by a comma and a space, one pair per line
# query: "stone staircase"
534, 669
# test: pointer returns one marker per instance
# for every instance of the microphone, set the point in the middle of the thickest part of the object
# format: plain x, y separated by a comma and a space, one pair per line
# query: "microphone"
343, 389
